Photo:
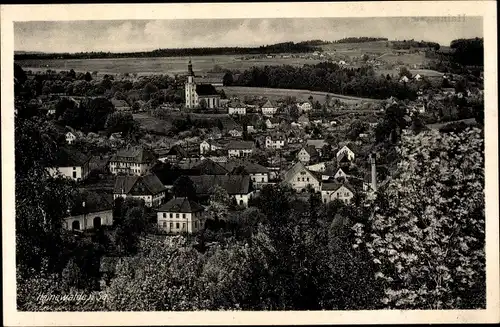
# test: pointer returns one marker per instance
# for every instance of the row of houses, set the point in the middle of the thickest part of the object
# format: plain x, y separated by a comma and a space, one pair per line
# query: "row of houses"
268, 109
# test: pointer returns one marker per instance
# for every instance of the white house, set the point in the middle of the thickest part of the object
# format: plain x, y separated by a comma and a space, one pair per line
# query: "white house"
70, 137
340, 174
236, 107
304, 107
236, 132
180, 215
333, 191
209, 146
318, 167
148, 188
90, 214
133, 161
417, 77
299, 178
349, 154
276, 141
71, 163
269, 108
404, 79
240, 149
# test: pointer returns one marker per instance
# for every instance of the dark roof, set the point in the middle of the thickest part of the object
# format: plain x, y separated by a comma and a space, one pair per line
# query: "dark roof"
94, 202
335, 186
206, 89
250, 167
181, 205
299, 166
177, 150
209, 167
269, 104
134, 154
124, 184
311, 150
236, 145
233, 184
67, 157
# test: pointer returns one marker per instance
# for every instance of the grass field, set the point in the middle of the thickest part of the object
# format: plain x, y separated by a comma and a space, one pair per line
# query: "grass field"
300, 95
162, 65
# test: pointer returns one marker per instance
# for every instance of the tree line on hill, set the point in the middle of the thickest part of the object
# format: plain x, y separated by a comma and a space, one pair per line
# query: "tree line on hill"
361, 39
284, 47
466, 56
408, 44
324, 77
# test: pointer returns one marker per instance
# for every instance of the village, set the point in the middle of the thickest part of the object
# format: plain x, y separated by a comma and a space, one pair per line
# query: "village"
228, 169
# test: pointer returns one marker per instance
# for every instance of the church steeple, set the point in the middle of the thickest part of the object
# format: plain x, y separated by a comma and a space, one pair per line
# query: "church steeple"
190, 68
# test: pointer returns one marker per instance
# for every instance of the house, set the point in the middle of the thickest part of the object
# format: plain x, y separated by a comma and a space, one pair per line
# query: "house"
209, 167
318, 144
239, 187
115, 137
240, 148
417, 77
299, 178
404, 79
308, 154
181, 215
342, 173
208, 146
303, 120
90, 213
71, 163
258, 174
70, 137
272, 123
347, 151
120, 105
276, 141
199, 94
237, 108
269, 108
304, 107
336, 191
148, 188
236, 132
176, 153
318, 167
132, 161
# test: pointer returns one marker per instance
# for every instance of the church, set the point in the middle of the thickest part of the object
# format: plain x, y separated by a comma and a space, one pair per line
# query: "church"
199, 95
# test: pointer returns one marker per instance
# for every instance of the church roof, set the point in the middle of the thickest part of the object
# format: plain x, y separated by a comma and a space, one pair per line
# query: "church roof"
206, 89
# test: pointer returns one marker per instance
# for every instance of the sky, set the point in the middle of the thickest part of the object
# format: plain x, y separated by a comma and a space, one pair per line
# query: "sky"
146, 35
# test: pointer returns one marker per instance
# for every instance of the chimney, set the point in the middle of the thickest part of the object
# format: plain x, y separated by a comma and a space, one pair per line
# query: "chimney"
374, 172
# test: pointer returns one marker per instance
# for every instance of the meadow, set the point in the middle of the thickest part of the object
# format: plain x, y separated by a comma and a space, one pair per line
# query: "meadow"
300, 95
159, 65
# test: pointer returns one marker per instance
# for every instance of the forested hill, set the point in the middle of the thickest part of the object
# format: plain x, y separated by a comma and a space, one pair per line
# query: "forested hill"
285, 47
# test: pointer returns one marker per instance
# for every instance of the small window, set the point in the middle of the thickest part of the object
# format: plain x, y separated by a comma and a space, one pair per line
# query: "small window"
74, 168
308, 179
74, 174
183, 215
171, 216
183, 225
164, 224
195, 224
171, 225
176, 215
177, 225
164, 215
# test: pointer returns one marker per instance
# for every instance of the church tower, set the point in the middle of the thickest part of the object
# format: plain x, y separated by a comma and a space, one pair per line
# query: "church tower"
190, 88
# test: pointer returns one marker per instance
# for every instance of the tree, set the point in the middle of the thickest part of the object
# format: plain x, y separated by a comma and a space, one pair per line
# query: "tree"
294, 112
220, 202
88, 77
63, 105
184, 187
403, 71
203, 104
227, 80
427, 234
122, 122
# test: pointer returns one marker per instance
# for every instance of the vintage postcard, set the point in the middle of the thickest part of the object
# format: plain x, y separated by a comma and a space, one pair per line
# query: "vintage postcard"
250, 163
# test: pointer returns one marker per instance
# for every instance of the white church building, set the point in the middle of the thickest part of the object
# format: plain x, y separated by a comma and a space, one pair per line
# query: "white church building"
200, 95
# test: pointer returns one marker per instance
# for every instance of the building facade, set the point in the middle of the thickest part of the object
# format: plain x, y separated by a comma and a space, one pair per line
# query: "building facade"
180, 215
132, 161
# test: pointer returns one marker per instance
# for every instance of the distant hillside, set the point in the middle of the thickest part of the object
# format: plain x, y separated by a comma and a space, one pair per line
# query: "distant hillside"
360, 39
285, 47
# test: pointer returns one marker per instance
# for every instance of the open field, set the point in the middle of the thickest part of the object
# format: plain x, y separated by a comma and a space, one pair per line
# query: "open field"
301, 95
152, 124
468, 121
161, 65
423, 72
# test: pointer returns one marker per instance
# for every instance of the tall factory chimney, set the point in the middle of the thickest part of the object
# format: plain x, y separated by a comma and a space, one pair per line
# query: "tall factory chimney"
374, 171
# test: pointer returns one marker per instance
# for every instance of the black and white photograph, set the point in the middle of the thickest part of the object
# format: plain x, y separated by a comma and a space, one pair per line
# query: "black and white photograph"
271, 163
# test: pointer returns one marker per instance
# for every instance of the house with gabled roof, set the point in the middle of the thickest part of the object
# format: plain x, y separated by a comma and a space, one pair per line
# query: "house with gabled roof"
235, 107
308, 154
90, 212
276, 140
176, 153
71, 163
70, 137
337, 191
148, 188
258, 173
240, 148
120, 105
272, 122
347, 152
238, 187
269, 108
300, 178
209, 167
132, 161
181, 215
304, 107
208, 146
